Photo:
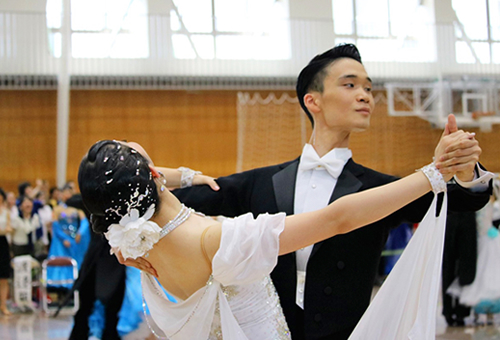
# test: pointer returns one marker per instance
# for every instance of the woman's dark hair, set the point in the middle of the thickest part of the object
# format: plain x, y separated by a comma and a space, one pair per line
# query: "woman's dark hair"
312, 76
21, 188
114, 178
52, 190
2, 193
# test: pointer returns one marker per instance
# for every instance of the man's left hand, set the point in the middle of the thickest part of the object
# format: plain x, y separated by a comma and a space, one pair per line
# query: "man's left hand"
462, 156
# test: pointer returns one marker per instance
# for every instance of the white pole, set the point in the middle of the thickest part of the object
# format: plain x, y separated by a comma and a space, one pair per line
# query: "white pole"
63, 91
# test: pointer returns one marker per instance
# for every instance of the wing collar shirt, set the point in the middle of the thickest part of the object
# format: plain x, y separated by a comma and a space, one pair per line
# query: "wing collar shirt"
316, 179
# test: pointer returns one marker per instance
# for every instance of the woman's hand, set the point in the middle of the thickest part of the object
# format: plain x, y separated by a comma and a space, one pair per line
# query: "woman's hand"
174, 177
140, 263
203, 179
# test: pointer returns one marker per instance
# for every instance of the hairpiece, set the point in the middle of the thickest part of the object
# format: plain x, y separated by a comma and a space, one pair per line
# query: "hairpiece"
133, 236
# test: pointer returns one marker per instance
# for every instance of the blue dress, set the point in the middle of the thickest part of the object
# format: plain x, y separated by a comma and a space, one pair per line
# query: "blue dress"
131, 314
66, 228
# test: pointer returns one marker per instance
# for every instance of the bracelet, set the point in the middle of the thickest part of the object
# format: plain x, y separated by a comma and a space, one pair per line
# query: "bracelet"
435, 178
187, 176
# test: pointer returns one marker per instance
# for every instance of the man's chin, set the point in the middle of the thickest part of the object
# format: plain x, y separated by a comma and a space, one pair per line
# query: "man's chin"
361, 128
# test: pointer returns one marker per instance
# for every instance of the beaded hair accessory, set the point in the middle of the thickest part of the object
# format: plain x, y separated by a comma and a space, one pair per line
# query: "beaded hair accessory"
435, 178
133, 236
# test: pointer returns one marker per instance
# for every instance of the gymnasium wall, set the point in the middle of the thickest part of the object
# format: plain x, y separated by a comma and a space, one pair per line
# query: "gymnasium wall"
194, 129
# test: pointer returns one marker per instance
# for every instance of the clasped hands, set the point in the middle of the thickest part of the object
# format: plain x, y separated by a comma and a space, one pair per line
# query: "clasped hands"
457, 153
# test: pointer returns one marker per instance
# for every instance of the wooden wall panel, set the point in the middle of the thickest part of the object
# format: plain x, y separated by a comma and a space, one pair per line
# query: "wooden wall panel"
27, 137
399, 145
195, 129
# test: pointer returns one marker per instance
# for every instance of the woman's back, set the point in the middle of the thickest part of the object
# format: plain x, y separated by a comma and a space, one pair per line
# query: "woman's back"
182, 268
238, 301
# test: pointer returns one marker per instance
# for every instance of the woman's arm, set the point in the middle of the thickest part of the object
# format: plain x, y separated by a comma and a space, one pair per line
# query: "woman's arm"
176, 177
7, 228
351, 212
57, 232
356, 210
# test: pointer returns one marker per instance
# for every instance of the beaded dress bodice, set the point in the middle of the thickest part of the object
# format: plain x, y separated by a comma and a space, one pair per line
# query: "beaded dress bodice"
257, 309
239, 301
69, 222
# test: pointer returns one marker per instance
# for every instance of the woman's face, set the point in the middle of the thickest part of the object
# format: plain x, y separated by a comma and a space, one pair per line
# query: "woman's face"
26, 206
11, 199
56, 195
137, 147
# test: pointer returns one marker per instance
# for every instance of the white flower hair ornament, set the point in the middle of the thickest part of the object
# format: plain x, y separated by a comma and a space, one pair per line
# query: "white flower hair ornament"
134, 236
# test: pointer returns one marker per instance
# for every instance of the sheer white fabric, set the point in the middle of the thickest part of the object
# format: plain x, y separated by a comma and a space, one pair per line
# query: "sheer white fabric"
405, 306
239, 301
486, 283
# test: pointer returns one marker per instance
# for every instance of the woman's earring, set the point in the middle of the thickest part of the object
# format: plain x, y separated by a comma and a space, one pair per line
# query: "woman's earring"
163, 187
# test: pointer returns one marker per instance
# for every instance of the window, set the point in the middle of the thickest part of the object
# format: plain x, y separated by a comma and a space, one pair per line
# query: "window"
477, 31
386, 30
231, 29
101, 28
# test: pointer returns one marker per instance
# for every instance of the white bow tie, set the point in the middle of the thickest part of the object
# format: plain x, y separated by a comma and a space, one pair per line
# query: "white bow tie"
334, 166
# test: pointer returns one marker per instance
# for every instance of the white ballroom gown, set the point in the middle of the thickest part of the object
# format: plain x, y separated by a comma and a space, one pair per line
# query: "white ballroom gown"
239, 301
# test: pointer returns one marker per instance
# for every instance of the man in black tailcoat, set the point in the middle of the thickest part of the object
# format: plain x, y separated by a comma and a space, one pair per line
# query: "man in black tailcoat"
325, 289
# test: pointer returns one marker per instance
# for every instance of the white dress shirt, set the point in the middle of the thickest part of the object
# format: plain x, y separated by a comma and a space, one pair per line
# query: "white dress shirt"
313, 189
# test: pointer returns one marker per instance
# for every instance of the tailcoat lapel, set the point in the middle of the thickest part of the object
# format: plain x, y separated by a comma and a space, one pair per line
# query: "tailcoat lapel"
284, 187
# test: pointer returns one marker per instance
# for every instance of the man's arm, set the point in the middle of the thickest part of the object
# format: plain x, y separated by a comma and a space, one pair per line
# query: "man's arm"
232, 199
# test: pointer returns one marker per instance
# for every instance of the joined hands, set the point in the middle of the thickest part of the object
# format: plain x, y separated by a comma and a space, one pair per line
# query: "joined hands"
457, 152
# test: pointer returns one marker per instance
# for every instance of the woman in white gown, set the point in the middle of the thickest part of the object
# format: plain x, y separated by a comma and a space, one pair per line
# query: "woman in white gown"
484, 293
219, 272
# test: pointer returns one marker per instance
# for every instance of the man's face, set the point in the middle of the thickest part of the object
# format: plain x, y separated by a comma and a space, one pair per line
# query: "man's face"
347, 99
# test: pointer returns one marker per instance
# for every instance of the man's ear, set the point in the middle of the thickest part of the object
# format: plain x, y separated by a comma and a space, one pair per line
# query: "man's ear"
311, 101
